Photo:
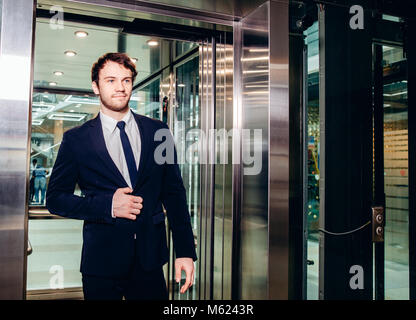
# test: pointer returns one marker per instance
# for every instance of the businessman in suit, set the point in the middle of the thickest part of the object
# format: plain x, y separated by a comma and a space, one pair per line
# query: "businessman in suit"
112, 158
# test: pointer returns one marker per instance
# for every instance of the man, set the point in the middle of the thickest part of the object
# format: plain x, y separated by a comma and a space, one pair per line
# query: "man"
112, 159
32, 180
39, 184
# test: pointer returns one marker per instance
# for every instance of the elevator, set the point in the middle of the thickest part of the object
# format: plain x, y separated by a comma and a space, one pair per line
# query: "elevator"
198, 68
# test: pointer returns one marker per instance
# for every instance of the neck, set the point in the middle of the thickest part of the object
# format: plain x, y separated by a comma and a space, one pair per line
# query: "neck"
116, 115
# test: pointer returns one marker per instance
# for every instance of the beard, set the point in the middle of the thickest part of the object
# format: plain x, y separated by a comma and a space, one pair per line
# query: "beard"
114, 106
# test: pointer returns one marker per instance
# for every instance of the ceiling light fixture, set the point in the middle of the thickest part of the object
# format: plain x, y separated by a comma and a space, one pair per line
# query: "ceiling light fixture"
70, 53
81, 34
52, 84
58, 73
152, 43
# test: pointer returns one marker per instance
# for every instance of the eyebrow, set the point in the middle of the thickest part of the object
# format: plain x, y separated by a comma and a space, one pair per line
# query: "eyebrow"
115, 77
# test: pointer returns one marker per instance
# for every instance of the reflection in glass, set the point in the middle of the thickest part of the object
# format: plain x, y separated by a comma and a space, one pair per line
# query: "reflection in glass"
146, 100
56, 242
182, 47
312, 41
396, 181
187, 118
52, 115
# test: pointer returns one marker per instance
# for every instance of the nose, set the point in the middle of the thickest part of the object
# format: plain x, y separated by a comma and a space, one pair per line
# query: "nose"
119, 86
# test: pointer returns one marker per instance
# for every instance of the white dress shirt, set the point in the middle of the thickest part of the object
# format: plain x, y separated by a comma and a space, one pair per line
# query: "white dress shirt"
113, 143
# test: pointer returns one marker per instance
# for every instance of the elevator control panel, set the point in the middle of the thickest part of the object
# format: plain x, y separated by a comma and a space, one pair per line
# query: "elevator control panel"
378, 223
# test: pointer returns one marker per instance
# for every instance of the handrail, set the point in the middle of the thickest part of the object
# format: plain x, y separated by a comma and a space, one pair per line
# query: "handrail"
42, 213
29, 247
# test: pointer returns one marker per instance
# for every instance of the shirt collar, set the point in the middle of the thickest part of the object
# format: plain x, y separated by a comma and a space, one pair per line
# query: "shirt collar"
110, 124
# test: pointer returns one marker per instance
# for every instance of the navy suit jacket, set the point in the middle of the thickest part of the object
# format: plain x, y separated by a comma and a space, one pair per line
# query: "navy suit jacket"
108, 243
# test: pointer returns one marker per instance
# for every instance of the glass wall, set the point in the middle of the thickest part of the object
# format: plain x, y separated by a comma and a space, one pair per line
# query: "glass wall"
146, 100
56, 242
313, 146
186, 120
396, 168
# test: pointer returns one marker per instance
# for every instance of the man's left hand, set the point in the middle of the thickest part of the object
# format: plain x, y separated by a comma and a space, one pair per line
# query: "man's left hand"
186, 264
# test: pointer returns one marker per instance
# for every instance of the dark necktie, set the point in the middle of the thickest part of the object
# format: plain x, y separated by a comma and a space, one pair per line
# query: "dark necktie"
128, 152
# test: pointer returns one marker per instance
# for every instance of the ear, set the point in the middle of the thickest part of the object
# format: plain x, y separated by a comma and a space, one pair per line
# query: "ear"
95, 88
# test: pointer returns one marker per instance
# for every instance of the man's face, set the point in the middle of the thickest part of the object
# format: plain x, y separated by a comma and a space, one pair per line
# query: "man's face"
114, 86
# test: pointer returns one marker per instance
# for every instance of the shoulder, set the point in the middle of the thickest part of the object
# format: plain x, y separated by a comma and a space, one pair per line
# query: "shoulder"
150, 123
78, 132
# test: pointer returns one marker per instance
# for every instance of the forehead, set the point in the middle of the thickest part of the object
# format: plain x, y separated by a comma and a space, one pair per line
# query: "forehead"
114, 69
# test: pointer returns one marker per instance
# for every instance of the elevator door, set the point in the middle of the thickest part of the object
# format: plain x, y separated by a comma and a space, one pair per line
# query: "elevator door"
391, 163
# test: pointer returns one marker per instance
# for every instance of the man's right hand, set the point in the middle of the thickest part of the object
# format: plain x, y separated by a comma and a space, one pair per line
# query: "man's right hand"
125, 205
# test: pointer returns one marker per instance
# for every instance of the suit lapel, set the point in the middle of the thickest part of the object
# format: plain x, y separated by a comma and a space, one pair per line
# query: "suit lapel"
98, 144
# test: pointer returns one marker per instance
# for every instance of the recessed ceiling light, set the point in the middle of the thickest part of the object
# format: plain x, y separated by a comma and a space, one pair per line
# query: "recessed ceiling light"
52, 83
181, 85
152, 42
70, 53
58, 73
81, 34
134, 60
71, 110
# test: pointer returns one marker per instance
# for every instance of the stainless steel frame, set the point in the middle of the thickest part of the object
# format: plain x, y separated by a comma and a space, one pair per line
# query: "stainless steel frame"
229, 210
278, 277
16, 65
265, 196
213, 11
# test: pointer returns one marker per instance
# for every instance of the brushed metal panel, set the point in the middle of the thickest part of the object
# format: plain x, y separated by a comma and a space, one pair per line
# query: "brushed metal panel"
17, 23
223, 171
228, 171
279, 151
236, 164
265, 195
210, 11
219, 173
255, 115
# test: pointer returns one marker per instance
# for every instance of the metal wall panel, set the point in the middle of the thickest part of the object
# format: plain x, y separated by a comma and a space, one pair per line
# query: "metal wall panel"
265, 193
255, 193
223, 171
207, 170
206, 10
17, 24
278, 281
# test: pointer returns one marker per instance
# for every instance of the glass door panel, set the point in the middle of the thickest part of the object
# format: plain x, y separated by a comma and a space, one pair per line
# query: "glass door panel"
396, 183
186, 122
313, 153
56, 242
146, 100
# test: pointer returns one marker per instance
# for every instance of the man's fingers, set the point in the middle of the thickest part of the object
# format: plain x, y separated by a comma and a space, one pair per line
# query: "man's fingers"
135, 211
136, 205
126, 190
185, 286
136, 199
187, 281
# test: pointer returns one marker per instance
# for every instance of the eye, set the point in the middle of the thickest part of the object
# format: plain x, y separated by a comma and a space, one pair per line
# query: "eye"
110, 80
127, 80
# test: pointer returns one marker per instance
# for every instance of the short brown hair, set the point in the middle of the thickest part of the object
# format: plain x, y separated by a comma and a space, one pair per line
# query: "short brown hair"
118, 57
